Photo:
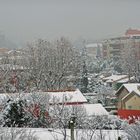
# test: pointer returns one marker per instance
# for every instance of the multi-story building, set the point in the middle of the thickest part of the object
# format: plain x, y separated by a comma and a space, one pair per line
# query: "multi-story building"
134, 39
114, 47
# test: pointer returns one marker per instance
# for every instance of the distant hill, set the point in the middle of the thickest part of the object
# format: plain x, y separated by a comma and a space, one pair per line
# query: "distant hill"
6, 43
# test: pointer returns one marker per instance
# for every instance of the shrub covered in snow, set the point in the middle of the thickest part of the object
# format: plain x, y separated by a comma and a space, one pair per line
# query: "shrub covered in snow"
15, 113
133, 131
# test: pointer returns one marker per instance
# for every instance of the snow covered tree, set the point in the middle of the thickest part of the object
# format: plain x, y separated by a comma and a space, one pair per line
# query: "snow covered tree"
50, 63
39, 109
43, 64
129, 63
15, 113
17, 134
84, 79
133, 131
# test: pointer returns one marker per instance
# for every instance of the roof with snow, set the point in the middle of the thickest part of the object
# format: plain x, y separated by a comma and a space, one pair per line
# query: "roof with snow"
93, 45
125, 80
89, 109
114, 78
70, 97
14, 51
131, 88
95, 109
67, 97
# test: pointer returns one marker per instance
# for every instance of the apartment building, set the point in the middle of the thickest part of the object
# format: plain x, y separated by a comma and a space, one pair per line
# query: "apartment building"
115, 47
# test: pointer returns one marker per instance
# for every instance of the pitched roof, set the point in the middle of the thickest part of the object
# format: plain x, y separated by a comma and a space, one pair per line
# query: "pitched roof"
93, 45
113, 78
67, 96
133, 87
130, 87
54, 97
89, 109
95, 109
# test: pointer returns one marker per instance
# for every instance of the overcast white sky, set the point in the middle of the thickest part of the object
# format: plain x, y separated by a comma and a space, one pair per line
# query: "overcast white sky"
25, 20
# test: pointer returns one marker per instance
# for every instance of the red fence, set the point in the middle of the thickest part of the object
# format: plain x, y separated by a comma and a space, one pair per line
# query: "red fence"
130, 115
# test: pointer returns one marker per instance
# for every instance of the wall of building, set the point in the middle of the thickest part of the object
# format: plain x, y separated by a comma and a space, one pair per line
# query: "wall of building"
115, 47
122, 94
133, 103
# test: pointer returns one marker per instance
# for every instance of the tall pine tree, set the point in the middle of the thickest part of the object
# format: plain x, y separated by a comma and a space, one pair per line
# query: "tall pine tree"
84, 79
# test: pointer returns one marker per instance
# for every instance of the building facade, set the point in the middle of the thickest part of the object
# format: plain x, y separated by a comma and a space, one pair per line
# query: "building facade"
115, 47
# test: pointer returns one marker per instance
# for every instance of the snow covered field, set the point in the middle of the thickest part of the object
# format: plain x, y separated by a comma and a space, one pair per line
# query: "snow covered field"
43, 134
57, 134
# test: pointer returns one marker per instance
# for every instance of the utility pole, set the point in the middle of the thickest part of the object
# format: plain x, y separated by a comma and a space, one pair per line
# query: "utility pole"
72, 129
119, 138
71, 123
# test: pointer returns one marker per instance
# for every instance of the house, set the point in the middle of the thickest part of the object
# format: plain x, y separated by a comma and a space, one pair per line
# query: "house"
95, 109
91, 97
125, 81
67, 97
128, 104
90, 109
115, 47
72, 99
113, 79
129, 96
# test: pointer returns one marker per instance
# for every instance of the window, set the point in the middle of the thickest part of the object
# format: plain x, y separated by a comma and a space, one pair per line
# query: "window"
129, 107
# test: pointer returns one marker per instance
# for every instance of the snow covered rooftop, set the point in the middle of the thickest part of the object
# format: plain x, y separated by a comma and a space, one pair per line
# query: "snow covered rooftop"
90, 94
132, 87
125, 80
93, 45
90, 109
67, 96
14, 51
109, 81
114, 78
95, 109
54, 97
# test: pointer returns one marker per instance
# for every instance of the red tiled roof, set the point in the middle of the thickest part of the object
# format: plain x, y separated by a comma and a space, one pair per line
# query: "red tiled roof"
132, 32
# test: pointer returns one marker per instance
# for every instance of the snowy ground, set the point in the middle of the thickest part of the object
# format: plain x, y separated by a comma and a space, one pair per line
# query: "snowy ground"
43, 134
80, 134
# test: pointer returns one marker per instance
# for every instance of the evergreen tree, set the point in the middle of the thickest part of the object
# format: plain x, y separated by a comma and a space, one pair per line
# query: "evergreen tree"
15, 114
84, 79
